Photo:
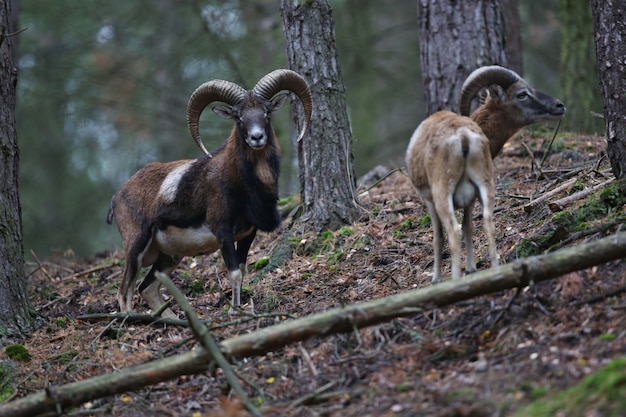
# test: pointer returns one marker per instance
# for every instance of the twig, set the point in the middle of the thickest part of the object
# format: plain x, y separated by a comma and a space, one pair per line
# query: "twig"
32, 252
602, 296
133, 318
307, 398
393, 171
307, 359
547, 151
533, 161
507, 307
208, 342
4, 35
90, 270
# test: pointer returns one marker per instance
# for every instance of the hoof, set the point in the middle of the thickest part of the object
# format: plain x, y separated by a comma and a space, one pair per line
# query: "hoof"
169, 314
245, 309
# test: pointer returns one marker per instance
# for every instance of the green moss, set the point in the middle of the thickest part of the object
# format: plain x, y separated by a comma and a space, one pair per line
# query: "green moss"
323, 243
407, 224
579, 185
346, 231
286, 200
62, 322
65, 357
403, 387
563, 218
7, 376
363, 242
614, 196
261, 263
336, 257
185, 275
424, 220
534, 245
602, 393
196, 287
17, 353
398, 234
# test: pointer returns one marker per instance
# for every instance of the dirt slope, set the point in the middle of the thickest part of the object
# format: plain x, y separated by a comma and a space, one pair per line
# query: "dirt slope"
482, 357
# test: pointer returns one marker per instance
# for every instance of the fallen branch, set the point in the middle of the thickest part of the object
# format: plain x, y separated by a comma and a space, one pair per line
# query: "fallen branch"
559, 205
520, 273
207, 341
529, 207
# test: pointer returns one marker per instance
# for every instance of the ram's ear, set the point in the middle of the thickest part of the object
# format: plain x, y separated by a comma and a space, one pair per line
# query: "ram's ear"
278, 101
497, 93
225, 112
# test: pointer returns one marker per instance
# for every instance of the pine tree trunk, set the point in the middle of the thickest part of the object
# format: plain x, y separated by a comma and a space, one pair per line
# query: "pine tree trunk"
578, 74
324, 155
609, 21
16, 319
456, 37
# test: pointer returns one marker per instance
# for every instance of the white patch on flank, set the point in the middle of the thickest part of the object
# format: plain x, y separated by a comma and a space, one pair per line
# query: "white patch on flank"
186, 242
169, 187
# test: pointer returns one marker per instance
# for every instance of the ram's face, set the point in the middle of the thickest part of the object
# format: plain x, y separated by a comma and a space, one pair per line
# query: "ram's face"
532, 106
253, 122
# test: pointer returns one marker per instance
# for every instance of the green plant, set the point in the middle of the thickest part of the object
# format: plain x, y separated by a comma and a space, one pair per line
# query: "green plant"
424, 220
62, 322
17, 353
196, 287
403, 387
261, 263
346, 231
407, 224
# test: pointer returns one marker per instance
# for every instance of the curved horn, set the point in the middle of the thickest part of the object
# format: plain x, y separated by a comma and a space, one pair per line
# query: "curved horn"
284, 79
484, 77
215, 90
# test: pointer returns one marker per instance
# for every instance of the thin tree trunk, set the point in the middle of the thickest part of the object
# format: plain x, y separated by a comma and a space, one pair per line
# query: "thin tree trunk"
456, 37
609, 21
325, 155
518, 274
16, 318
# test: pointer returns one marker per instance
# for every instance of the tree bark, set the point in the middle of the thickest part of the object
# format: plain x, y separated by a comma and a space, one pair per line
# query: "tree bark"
327, 182
456, 37
609, 21
16, 314
578, 73
520, 273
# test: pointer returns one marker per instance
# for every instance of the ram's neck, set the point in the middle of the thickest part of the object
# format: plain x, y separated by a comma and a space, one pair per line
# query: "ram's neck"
497, 126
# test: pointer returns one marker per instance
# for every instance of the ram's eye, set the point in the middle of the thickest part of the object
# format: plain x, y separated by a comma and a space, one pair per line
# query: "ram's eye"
522, 95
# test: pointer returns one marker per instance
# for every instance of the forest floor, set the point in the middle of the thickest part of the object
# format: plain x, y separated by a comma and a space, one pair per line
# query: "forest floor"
487, 356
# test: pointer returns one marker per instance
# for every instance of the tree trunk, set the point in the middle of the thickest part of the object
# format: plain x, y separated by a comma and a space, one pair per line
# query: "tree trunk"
609, 21
16, 319
327, 183
456, 37
578, 74
513, 35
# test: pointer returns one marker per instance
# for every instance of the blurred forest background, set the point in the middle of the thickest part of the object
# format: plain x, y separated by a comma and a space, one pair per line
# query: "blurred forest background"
103, 88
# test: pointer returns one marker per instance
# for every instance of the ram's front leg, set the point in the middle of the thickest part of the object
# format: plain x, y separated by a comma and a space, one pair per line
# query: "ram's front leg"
234, 271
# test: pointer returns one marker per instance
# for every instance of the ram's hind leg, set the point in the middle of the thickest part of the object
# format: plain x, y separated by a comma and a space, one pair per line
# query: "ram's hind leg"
468, 232
126, 289
150, 286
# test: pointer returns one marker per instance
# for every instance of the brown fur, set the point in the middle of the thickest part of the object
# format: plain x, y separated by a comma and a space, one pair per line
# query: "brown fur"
449, 163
